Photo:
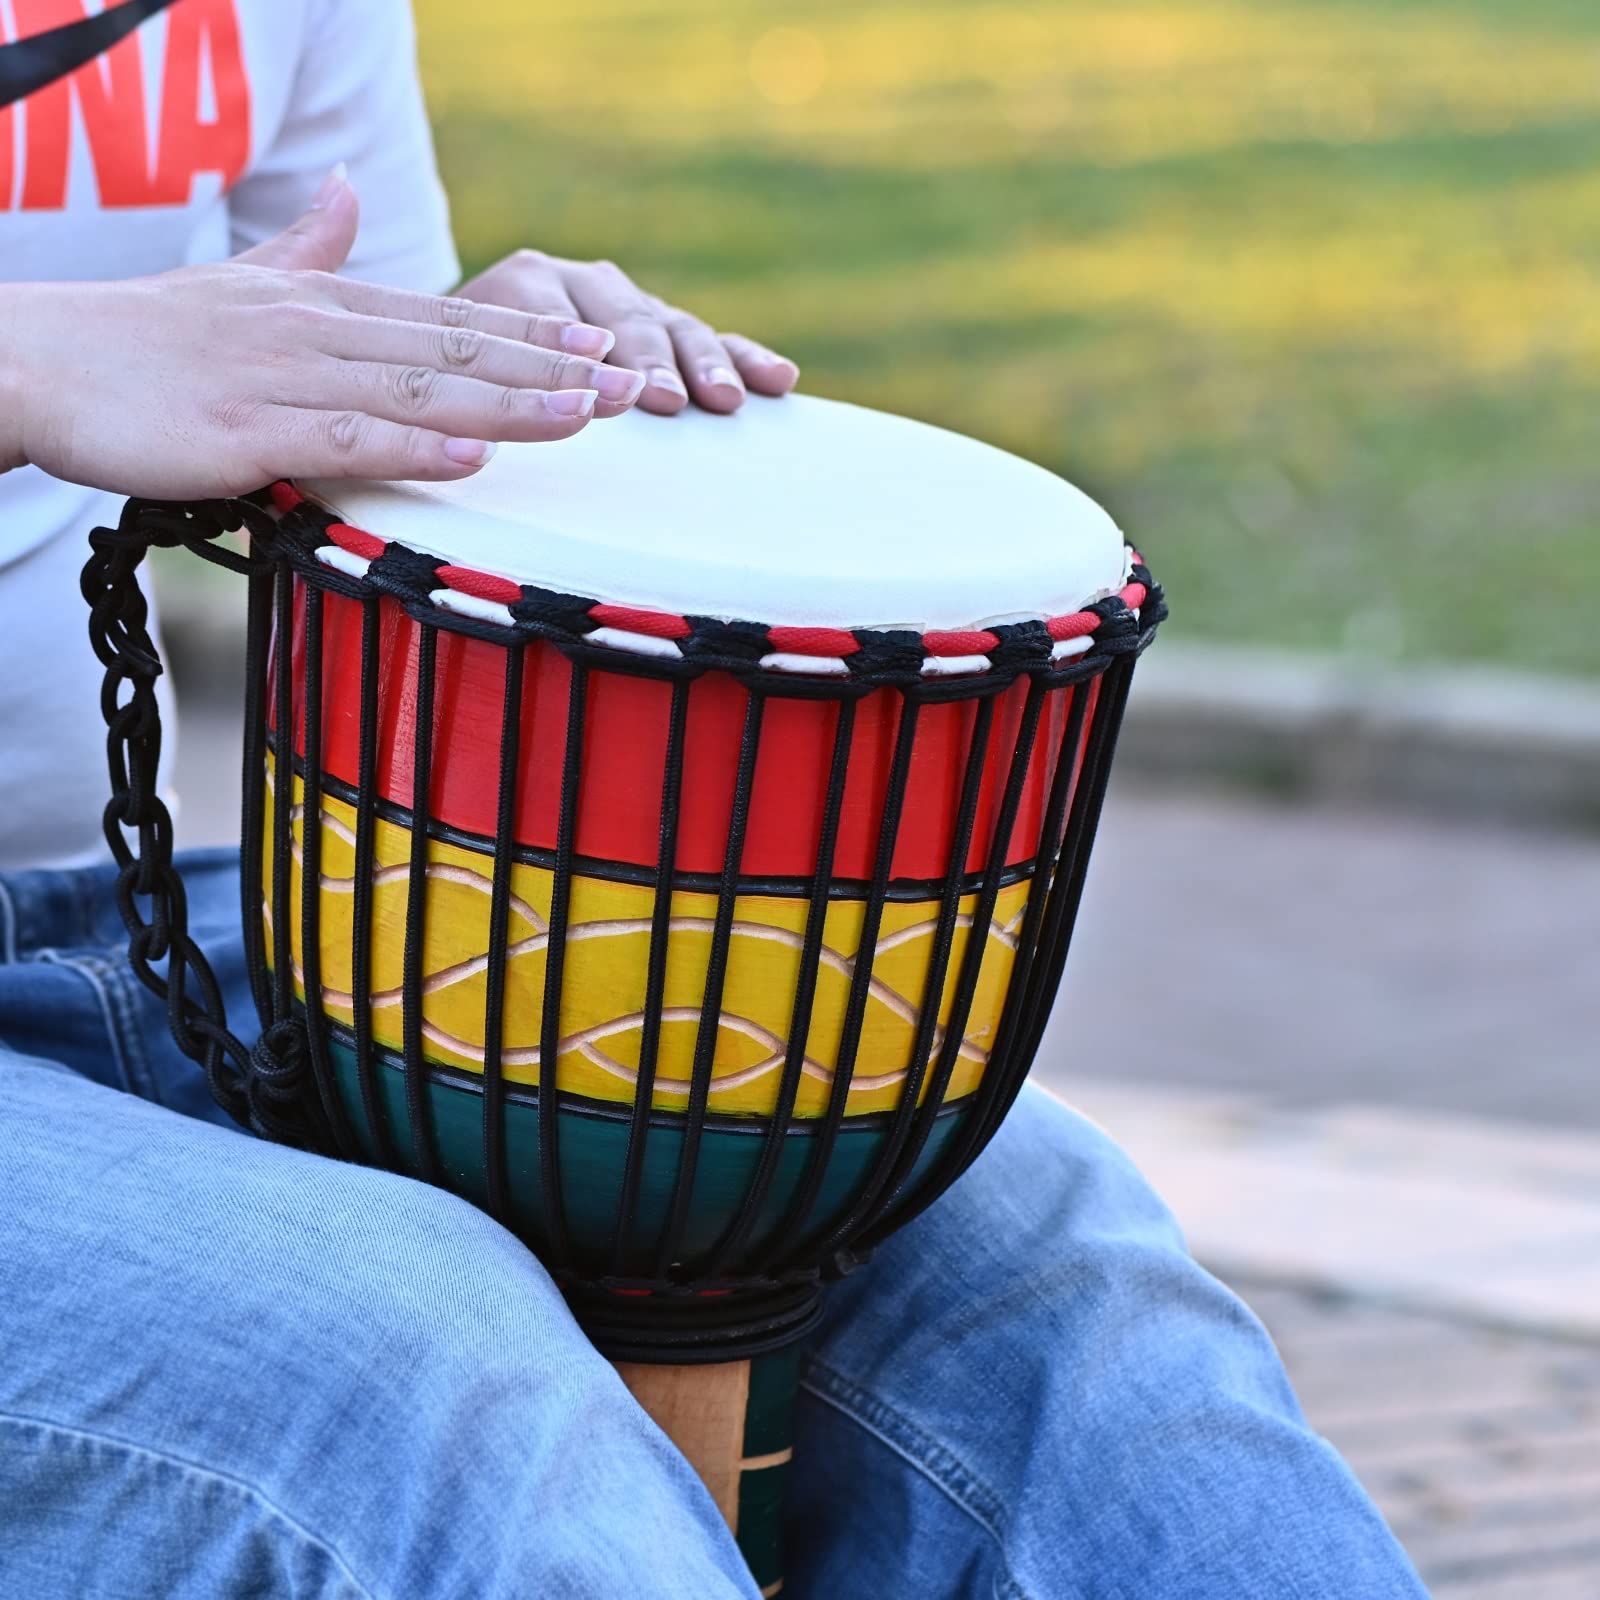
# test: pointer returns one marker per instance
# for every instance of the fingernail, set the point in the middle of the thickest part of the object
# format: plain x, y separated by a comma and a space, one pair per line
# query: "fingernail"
469, 452
668, 379
617, 383
780, 364
572, 402
583, 340
721, 378
331, 185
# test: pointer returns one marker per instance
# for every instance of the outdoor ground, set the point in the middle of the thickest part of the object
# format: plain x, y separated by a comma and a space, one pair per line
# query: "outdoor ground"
1304, 289
1481, 1445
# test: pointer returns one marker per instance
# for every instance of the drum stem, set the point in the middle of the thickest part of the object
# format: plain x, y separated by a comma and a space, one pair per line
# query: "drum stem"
734, 1423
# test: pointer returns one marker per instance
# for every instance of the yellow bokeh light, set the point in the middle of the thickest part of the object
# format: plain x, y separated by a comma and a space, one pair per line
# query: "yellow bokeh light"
788, 66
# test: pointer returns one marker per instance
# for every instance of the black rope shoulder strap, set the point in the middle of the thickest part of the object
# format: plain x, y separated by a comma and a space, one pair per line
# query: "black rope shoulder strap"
260, 1086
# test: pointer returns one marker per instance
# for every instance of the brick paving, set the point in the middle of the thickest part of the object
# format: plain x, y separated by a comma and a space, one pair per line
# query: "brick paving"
1481, 1447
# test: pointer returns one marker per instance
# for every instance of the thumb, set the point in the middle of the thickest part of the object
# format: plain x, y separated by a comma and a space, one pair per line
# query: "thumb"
320, 240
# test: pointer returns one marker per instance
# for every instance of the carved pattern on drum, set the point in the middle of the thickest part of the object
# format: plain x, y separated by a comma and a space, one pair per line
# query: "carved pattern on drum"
608, 939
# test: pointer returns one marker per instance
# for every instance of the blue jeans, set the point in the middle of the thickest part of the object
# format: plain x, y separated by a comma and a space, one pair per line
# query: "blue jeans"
232, 1369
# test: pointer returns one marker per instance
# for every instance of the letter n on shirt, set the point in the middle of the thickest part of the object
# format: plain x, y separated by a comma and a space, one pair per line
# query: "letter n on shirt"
140, 155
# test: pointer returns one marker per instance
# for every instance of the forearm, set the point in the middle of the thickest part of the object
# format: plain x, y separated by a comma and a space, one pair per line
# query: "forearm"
13, 382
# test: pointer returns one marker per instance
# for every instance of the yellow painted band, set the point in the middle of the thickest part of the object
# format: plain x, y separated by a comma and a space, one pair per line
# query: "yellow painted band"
603, 986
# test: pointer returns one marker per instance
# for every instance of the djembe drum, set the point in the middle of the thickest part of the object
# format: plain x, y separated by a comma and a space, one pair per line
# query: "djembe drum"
668, 840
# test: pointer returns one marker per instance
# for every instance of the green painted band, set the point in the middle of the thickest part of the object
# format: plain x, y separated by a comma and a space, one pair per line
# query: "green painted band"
594, 1145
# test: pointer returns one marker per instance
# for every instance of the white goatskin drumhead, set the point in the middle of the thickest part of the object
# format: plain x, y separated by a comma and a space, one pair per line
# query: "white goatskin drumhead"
792, 511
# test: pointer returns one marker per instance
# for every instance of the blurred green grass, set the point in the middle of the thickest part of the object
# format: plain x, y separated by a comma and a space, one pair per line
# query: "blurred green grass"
1306, 291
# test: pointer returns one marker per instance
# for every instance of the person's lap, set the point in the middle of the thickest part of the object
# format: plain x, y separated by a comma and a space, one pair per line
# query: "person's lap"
230, 1368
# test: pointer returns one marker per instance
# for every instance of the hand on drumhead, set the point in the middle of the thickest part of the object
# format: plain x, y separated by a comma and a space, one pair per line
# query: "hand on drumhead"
680, 357
214, 380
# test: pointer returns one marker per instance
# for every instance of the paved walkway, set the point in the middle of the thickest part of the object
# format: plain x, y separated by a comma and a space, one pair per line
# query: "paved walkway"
1320, 957
1462, 1216
1434, 1285
1482, 1447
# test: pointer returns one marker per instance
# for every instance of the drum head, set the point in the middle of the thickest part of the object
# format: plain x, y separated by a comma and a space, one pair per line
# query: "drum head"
797, 511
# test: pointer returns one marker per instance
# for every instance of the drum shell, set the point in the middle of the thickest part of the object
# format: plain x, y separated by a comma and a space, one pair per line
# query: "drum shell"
814, 1167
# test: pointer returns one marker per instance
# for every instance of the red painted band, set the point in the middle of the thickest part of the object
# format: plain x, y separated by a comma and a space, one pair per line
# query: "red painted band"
627, 721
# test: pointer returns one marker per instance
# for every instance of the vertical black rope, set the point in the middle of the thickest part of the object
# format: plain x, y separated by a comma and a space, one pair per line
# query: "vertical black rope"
555, 950
283, 791
733, 1241
861, 971
705, 1044
938, 966
361, 899
494, 1089
1072, 873
972, 961
1004, 1062
655, 974
1052, 825
253, 807
1041, 887
311, 881
416, 1066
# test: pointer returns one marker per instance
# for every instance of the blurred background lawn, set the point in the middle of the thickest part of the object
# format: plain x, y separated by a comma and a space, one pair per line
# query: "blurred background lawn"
1307, 291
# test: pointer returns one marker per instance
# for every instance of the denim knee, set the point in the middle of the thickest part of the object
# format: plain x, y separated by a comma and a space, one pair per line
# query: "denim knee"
378, 1281
352, 1361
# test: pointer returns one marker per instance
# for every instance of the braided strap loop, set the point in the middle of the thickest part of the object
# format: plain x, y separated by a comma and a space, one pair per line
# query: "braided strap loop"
260, 1088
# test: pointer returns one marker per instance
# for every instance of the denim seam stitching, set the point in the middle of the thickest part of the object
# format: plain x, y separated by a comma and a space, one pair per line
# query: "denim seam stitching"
88, 904
8, 924
98, 975
896, 1432
124, 990
248, 1490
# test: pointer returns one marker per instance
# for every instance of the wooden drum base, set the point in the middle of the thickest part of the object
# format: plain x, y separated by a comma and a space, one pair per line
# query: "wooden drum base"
734, 1421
